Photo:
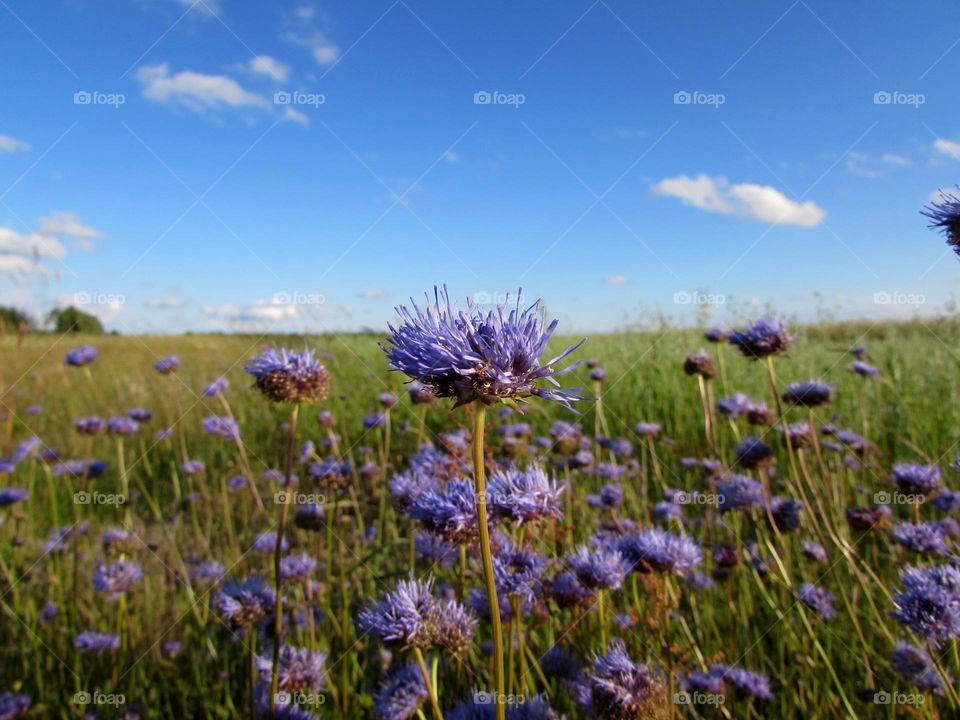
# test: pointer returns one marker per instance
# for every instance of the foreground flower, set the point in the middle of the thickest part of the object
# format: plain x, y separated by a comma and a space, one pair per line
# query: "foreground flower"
944, 215
620, 689
923, 538
450, 512
300, 669
762, 339
475, 356
287, 376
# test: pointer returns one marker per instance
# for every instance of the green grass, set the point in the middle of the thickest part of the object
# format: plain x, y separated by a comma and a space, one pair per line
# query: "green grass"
911, 415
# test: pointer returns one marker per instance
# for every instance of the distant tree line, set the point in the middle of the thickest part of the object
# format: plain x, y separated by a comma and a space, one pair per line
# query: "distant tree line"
60, 320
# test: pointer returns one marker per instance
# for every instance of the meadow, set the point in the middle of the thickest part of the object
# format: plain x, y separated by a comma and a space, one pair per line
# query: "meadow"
148, 549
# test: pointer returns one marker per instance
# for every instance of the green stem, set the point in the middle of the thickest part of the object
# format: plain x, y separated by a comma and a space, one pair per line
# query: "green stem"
277, 554
479, 479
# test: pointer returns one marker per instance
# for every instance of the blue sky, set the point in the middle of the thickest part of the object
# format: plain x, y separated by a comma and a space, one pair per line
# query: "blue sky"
306, 166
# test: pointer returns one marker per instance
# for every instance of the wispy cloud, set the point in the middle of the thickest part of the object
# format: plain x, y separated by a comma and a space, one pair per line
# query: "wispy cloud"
746, 200
947, 147
196, 91
616, 280
164, 303
11, 144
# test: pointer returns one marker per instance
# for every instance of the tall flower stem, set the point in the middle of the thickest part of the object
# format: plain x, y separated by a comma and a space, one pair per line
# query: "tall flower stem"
277, 552
431, 691
480, 485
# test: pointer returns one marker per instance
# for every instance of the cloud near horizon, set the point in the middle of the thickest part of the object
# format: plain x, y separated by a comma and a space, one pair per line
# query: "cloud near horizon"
746, 200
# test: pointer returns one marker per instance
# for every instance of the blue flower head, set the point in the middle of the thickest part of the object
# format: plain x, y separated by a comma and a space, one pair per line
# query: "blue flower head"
475, 356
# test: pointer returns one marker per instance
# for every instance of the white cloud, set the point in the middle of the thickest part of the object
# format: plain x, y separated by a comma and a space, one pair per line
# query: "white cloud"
203, 8
372, 294
870, 166
747, 200
194, 90
616, 280
269, 67
325, 53
33, 245
164, 303
304, 31
20, 265
948, 147
11, 144
66, 224
293, 115
451, 157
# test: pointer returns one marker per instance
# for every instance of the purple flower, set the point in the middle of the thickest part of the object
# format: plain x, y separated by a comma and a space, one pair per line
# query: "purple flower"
216, 388
209, 572
411, 616
309, 517
471, 356
524, 495
81, 356
786, 513
620, 689
751, 453
864, 369
762, 338
299, 669
13, 705
114, 580
401, 695
518, 571
222, 427
916, 479
745, 684
141, 415
811, 393
266, 542
657, 551
924, 538
739, 492
193, 467
244, 603
947, 501
9, 496
80, 468
818, 599
450, 512
699, 363
929, 603
944, 215
716, 335
914, 665
287, 376
297, 568
96, 643
376, 419
420, 395
814, 551
434, 549
598, 568
167, 365
92, 425
122, 426
647, 429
